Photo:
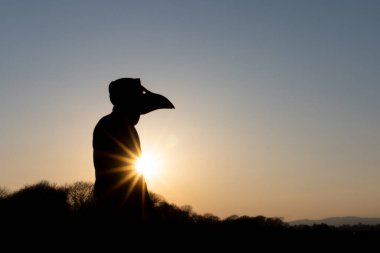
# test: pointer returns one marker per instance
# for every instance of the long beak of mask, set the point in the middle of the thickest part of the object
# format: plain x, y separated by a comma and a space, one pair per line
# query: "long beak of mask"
152, 101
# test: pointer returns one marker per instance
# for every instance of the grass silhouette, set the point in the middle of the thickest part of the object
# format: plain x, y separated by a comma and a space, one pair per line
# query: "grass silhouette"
70, 209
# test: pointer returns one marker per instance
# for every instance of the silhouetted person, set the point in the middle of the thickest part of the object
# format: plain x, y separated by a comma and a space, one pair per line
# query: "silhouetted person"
119, 190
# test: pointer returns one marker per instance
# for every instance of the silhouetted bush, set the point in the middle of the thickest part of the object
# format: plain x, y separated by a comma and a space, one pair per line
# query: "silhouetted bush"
71, 207
80, 196
39, 201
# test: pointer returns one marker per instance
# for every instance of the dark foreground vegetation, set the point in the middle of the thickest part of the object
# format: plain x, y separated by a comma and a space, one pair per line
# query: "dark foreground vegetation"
67, 212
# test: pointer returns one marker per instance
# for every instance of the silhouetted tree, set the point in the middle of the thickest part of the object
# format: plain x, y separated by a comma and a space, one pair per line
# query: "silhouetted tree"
4, 192
80, 195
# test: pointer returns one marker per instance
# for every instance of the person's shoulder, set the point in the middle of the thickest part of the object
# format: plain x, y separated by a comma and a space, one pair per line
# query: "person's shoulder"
105, 119
104, 122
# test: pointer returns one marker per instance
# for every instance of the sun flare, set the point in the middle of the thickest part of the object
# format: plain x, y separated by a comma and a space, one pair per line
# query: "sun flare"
147, 165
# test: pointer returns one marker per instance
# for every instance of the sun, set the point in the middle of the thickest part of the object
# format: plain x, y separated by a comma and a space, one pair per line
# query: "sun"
147, 165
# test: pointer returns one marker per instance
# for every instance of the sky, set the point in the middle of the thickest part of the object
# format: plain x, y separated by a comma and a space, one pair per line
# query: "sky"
277, 102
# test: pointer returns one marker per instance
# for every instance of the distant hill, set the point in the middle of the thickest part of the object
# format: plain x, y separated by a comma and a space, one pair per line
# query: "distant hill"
338, 221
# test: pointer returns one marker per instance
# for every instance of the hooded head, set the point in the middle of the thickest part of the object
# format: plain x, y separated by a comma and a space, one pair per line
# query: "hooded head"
131, 99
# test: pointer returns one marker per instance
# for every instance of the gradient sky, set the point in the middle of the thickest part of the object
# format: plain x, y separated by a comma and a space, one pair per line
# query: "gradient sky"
277, 102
